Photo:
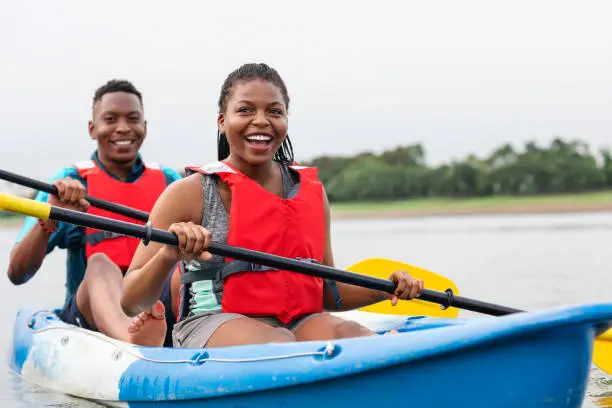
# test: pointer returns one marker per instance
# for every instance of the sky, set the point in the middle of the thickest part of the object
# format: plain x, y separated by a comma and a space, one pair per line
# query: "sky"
459, 77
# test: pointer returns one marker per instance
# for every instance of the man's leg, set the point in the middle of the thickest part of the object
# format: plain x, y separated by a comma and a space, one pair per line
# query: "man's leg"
169, 298
98, 299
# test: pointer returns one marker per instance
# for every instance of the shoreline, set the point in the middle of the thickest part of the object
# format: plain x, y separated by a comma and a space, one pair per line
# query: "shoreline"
420, 208
511, 209
11, 222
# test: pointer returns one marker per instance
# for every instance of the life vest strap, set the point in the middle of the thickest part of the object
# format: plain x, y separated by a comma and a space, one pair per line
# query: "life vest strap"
331, 284
243, 266
207, 271
219, 271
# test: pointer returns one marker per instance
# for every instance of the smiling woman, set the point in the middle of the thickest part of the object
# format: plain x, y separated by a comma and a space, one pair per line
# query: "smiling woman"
226, 302
257, 123
258, 91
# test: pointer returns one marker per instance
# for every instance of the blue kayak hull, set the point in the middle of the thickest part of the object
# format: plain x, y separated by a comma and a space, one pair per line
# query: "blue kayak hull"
523, 360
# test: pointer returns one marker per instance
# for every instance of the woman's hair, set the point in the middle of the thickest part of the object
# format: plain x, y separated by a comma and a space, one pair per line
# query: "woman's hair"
246, 73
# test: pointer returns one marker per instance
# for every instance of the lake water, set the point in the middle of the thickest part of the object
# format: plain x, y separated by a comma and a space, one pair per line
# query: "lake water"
527, 262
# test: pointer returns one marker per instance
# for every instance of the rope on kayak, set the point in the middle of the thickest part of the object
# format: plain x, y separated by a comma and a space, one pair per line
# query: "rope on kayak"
200, 358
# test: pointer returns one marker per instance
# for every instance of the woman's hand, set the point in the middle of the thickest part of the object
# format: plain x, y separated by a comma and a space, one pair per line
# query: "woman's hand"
193, 240
407, 286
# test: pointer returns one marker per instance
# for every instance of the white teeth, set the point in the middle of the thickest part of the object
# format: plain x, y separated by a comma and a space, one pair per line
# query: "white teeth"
263, 138
123, 142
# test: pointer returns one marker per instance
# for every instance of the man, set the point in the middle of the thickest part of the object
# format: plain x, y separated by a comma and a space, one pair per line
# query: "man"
96, 261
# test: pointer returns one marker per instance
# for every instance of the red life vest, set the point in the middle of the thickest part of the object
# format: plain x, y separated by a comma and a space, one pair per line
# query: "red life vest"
141, 194
292, 228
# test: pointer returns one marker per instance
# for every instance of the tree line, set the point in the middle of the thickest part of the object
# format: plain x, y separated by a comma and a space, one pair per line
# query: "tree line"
565, 166
402, 173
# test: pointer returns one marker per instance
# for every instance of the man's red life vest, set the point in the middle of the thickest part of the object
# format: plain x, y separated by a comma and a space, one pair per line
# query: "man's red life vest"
141, 194
292, 228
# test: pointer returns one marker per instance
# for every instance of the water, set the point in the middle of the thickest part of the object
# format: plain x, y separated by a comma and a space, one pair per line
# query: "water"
527, 262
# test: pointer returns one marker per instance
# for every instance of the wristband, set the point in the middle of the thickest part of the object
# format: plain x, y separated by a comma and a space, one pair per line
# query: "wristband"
45, 229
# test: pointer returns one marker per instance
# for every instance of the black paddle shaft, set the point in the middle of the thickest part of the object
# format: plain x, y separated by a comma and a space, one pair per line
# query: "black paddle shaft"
96, 202
147, 234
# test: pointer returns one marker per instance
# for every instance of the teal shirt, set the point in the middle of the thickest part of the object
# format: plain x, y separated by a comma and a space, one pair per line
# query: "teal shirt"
69, 236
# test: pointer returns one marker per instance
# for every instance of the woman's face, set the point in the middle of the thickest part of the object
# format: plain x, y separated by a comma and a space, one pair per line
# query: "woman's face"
254, 121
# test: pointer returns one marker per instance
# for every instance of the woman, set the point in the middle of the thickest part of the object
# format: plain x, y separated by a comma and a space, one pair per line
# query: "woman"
254, 198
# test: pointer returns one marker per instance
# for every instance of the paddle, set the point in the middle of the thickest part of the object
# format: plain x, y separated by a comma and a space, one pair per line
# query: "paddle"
602, 346
368, 268
96, 202
602, 352
378, 267
45, 211
383, 268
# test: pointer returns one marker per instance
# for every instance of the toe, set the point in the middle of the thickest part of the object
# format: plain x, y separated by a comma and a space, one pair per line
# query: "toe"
158, 311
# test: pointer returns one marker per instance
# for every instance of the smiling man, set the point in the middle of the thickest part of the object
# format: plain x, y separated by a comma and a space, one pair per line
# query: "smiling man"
97, 261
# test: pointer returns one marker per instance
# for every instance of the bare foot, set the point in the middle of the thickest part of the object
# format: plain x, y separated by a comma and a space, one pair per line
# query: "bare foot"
149, 328
391, 332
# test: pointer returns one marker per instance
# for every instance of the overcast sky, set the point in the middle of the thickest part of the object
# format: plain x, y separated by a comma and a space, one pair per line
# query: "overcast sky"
457, 76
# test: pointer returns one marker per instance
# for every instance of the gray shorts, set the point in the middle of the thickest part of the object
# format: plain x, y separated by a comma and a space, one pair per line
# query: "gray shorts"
195, 331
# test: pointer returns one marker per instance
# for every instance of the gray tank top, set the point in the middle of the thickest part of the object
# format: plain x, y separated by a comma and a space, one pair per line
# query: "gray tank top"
216, 220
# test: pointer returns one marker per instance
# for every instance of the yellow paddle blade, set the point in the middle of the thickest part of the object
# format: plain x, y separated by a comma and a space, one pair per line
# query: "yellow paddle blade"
383, 268
24, 206
602, 352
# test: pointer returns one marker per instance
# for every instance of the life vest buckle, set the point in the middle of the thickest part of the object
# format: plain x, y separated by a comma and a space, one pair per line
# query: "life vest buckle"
260, 268
309, 260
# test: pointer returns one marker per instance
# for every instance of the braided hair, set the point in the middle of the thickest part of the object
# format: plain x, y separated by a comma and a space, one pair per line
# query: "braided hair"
248, 72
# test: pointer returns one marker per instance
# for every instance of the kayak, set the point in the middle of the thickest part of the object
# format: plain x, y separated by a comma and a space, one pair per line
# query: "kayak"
524, 360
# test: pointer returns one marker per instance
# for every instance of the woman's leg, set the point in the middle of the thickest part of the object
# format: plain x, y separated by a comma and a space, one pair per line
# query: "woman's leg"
324, 326
244, 330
